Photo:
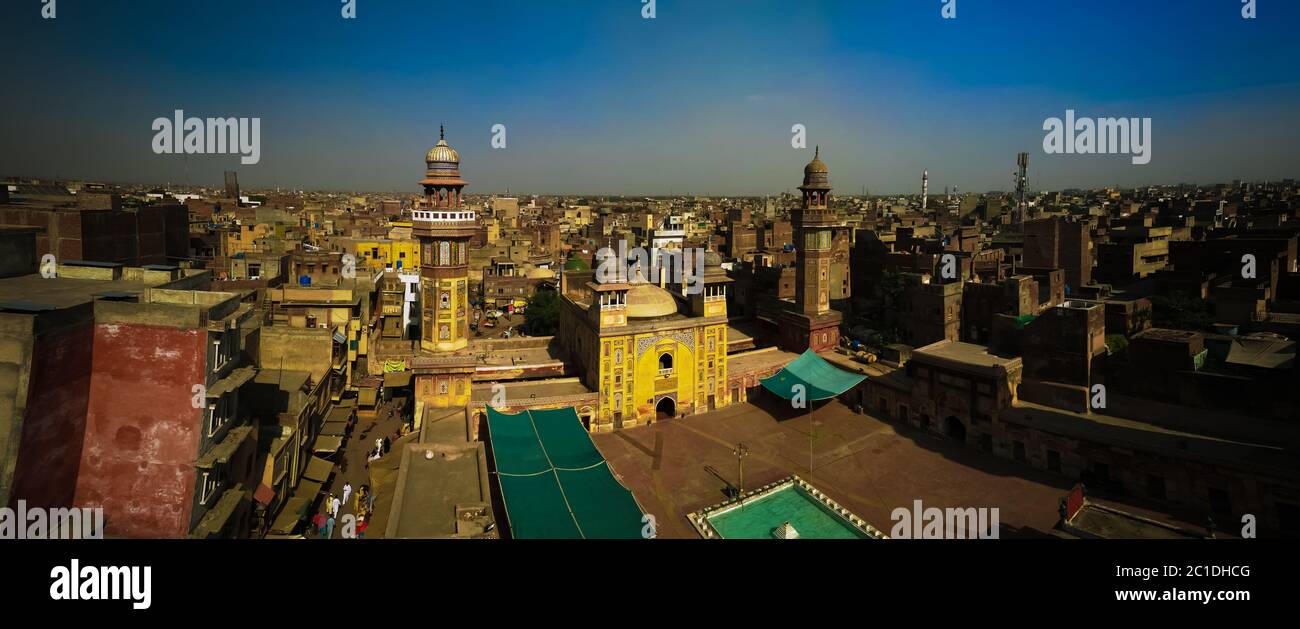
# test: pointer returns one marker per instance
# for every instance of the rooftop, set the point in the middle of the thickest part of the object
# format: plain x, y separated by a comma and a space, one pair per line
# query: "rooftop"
959, 354
442, 491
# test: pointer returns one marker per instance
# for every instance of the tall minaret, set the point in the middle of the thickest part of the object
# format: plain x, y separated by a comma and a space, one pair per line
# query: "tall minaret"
444, 229
812, 233
925, 189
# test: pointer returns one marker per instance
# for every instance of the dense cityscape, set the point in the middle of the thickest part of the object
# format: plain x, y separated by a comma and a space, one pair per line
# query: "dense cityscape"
214, 362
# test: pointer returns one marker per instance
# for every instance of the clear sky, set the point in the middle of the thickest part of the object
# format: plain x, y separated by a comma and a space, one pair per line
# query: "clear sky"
700, 99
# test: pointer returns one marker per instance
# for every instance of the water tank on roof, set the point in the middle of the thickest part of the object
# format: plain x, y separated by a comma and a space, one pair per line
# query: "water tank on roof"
304, 280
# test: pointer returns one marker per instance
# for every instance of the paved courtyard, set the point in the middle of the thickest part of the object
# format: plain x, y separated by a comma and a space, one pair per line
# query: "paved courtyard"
868, 465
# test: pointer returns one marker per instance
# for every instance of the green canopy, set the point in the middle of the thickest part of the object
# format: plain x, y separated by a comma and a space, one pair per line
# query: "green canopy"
554, 482
820, 379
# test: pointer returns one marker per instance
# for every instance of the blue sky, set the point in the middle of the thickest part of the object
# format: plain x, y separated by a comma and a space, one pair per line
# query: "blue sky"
700, 99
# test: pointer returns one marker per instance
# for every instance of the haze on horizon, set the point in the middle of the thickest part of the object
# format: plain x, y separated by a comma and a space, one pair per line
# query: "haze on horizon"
700, 100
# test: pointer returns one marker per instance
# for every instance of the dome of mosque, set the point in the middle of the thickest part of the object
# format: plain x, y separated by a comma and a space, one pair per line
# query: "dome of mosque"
647, 301
442, 153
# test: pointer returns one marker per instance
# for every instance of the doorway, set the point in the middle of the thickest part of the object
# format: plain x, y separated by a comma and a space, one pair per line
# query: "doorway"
666, 408
955, 429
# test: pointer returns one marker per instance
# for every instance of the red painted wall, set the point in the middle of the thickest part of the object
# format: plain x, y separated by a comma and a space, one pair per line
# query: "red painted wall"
50, 452
142, 431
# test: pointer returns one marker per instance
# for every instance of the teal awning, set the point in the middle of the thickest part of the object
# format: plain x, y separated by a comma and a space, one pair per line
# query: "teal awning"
554, 482
820, 379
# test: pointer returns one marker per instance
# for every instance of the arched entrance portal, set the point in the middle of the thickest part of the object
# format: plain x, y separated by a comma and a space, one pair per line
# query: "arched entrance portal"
955, 429
666, 408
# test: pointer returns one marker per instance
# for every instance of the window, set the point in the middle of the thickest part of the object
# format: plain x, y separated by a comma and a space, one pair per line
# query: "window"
1053, 461
212, 420
1018, 449
665, 362
209, 488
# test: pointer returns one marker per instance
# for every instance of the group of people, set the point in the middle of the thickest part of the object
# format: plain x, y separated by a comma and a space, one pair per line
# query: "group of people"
382, 446
363, 506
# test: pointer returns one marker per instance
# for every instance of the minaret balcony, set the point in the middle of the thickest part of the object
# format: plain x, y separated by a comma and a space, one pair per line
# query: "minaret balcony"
445, 216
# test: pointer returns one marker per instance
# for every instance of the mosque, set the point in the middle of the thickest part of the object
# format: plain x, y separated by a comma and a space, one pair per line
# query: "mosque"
646, 350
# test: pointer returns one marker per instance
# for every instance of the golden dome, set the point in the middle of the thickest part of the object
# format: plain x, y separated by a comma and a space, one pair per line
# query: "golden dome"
816, 165
815, 175
647, 301
442, 152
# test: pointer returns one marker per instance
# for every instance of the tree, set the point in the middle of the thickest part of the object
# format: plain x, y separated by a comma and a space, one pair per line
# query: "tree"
1180, 311
543, 315
883, 317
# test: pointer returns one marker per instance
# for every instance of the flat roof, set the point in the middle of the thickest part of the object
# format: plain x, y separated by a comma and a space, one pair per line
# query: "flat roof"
287, 380
1110, 523
518, 392
963, 354
62, 292
433, 482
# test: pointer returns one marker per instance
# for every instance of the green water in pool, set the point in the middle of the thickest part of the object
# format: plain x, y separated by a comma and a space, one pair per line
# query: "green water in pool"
761, 515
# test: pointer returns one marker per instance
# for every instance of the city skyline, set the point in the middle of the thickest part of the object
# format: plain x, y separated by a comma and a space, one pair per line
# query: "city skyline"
598, 101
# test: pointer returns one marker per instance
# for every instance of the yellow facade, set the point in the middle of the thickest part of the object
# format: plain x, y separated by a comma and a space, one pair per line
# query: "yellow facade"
637, 371
644, 358
243, 238
441, 391
445, 320
383, 253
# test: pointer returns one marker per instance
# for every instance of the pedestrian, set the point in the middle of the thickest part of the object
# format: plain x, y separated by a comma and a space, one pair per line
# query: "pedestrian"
329, 527
317, 522
334, 506
347, 491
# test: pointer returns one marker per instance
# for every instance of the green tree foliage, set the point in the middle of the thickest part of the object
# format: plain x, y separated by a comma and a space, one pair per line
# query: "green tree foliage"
885, 319
542, 318
1180, 311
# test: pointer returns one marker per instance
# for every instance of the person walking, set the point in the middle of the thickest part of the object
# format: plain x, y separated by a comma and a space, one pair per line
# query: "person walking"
334, 506
329, 527
347, 491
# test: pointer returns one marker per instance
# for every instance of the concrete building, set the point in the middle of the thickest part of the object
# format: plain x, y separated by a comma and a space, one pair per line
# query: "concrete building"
48, 362
166, 446
1058, 243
